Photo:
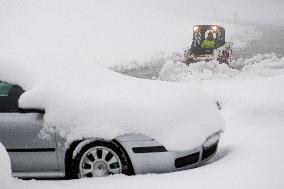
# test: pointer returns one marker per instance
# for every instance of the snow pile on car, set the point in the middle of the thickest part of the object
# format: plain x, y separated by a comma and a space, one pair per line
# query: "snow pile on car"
5, 168
86, 100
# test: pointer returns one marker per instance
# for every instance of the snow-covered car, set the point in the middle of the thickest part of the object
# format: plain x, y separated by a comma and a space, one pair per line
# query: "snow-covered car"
34, 156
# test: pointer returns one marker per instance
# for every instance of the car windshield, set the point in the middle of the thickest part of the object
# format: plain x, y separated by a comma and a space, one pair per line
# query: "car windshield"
4, 88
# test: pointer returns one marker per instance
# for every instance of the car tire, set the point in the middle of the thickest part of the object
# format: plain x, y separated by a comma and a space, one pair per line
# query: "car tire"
99, 158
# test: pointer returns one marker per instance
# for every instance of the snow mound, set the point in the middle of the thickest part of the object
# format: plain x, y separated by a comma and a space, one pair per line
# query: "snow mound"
87, 100
157, 60
5, 168
199, 71
258, 66
241, 63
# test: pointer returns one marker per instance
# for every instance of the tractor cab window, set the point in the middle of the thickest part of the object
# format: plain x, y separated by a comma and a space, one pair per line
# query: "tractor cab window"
9, 96
210, 34
209, 40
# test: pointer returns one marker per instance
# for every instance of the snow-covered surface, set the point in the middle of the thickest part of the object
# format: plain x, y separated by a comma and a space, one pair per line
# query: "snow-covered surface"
5, 168
251, 151
258, 66
130, 31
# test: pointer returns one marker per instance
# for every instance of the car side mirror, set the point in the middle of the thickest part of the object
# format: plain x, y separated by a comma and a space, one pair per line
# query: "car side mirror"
14, 94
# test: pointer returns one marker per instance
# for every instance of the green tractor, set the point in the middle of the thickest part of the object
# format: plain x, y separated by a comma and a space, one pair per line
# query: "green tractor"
208, 43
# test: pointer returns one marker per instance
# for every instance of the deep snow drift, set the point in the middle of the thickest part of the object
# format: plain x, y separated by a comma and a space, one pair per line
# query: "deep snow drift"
258, 66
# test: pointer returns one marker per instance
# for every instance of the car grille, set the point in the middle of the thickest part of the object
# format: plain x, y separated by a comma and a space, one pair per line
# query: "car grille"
187, 160
207, 152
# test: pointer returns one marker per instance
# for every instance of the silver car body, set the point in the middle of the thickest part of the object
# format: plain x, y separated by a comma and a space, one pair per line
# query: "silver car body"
35, 156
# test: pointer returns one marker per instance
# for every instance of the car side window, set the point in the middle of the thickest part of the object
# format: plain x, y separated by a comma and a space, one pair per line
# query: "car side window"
9, 96
4, 88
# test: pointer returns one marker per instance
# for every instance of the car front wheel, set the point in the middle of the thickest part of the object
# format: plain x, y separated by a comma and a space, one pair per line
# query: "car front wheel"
99, 159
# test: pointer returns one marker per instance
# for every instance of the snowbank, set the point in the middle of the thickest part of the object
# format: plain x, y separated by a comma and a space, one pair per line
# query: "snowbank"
157, 60
258, 66
87, 100
259, 58
199, 71
5, 168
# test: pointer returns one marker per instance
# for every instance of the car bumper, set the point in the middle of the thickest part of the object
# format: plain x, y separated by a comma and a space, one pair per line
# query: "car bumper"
151, 157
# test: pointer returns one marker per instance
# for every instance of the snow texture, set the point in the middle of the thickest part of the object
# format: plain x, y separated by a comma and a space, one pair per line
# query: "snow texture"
258, 66
114, 32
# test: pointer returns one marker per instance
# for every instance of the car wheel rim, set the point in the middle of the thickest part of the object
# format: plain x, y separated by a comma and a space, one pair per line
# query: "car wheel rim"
99, 161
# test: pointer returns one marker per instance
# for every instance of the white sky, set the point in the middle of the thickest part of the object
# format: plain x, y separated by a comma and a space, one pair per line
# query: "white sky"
112, 31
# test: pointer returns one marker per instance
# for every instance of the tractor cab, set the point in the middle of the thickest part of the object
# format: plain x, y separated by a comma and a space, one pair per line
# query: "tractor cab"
207, 41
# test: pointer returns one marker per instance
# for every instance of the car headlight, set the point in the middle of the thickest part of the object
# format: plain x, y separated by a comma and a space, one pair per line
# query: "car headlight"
212, 139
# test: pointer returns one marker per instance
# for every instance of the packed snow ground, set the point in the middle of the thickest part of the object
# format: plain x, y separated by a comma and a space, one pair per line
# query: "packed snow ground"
251, 151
